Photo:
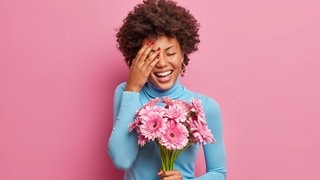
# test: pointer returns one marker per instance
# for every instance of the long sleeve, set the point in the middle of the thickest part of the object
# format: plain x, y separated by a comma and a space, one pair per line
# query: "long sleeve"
215, 156
122, 145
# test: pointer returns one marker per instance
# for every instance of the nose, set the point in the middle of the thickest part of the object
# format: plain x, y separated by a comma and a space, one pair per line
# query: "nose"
162, 61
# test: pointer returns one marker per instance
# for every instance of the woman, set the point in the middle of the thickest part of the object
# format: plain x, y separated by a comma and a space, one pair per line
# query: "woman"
156, 39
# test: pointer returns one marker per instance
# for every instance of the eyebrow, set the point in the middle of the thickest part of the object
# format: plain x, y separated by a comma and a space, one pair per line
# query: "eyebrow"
169, 47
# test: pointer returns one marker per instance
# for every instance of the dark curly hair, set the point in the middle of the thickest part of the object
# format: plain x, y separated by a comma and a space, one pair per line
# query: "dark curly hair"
154, 18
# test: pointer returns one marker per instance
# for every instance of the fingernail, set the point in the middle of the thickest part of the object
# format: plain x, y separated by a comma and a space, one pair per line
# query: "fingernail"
158, 49
158, 56
152, 43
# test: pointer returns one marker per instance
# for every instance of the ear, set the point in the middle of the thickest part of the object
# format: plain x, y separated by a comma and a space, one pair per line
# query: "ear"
183, 67
182, 58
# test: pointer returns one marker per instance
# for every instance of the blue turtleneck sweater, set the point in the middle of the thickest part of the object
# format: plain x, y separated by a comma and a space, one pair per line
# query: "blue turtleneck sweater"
143, 163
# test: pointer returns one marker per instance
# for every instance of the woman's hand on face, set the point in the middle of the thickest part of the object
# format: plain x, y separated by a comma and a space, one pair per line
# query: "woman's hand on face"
170, 175
141, 67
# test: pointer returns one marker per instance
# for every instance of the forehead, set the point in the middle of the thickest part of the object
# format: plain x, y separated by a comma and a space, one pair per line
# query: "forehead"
162, 41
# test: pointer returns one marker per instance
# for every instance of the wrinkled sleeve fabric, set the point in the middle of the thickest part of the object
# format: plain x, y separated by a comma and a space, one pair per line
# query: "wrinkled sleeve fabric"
215, 156
122, 145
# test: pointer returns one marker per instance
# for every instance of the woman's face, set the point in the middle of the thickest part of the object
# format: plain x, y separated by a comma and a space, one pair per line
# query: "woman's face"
167, 70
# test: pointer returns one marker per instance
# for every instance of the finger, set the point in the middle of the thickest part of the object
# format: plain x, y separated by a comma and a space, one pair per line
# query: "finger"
152, 57
140, 53
147, 55
153, 54
151, 65
169, 173
161, 174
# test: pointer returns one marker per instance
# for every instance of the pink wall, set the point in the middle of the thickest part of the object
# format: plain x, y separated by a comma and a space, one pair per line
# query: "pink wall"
59, 66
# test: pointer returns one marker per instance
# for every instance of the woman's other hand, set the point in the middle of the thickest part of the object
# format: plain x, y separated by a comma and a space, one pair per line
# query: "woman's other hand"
170, 175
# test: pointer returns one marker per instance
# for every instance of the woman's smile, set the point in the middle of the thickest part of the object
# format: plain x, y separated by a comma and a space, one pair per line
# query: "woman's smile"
168, 68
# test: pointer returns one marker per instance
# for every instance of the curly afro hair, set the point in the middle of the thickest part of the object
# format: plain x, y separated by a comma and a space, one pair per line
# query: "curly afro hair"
154, 18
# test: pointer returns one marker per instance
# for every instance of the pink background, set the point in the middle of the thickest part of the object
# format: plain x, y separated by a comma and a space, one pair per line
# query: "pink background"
59, 65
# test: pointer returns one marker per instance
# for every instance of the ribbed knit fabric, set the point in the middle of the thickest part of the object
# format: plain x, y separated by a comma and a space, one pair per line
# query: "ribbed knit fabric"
143, 163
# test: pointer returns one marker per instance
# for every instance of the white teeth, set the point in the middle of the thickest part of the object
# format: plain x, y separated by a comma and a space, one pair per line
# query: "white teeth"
162, 74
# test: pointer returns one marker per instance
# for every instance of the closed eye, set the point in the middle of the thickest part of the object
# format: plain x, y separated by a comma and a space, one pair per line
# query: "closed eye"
171, 54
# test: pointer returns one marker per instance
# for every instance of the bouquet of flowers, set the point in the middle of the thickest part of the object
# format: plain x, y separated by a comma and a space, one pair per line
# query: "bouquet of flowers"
173, 124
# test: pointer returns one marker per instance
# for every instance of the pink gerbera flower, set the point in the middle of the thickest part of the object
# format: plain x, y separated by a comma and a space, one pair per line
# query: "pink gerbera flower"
177, 113
167, 101
177, 102
185, 106
146, 110
153, 124
142, 140
201, 133
197, 109
135, 124
175, 137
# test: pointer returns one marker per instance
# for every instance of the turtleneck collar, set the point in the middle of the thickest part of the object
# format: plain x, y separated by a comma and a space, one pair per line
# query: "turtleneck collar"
176, 91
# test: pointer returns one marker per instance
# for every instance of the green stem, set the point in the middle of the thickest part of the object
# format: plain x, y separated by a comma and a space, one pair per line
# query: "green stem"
168, 157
